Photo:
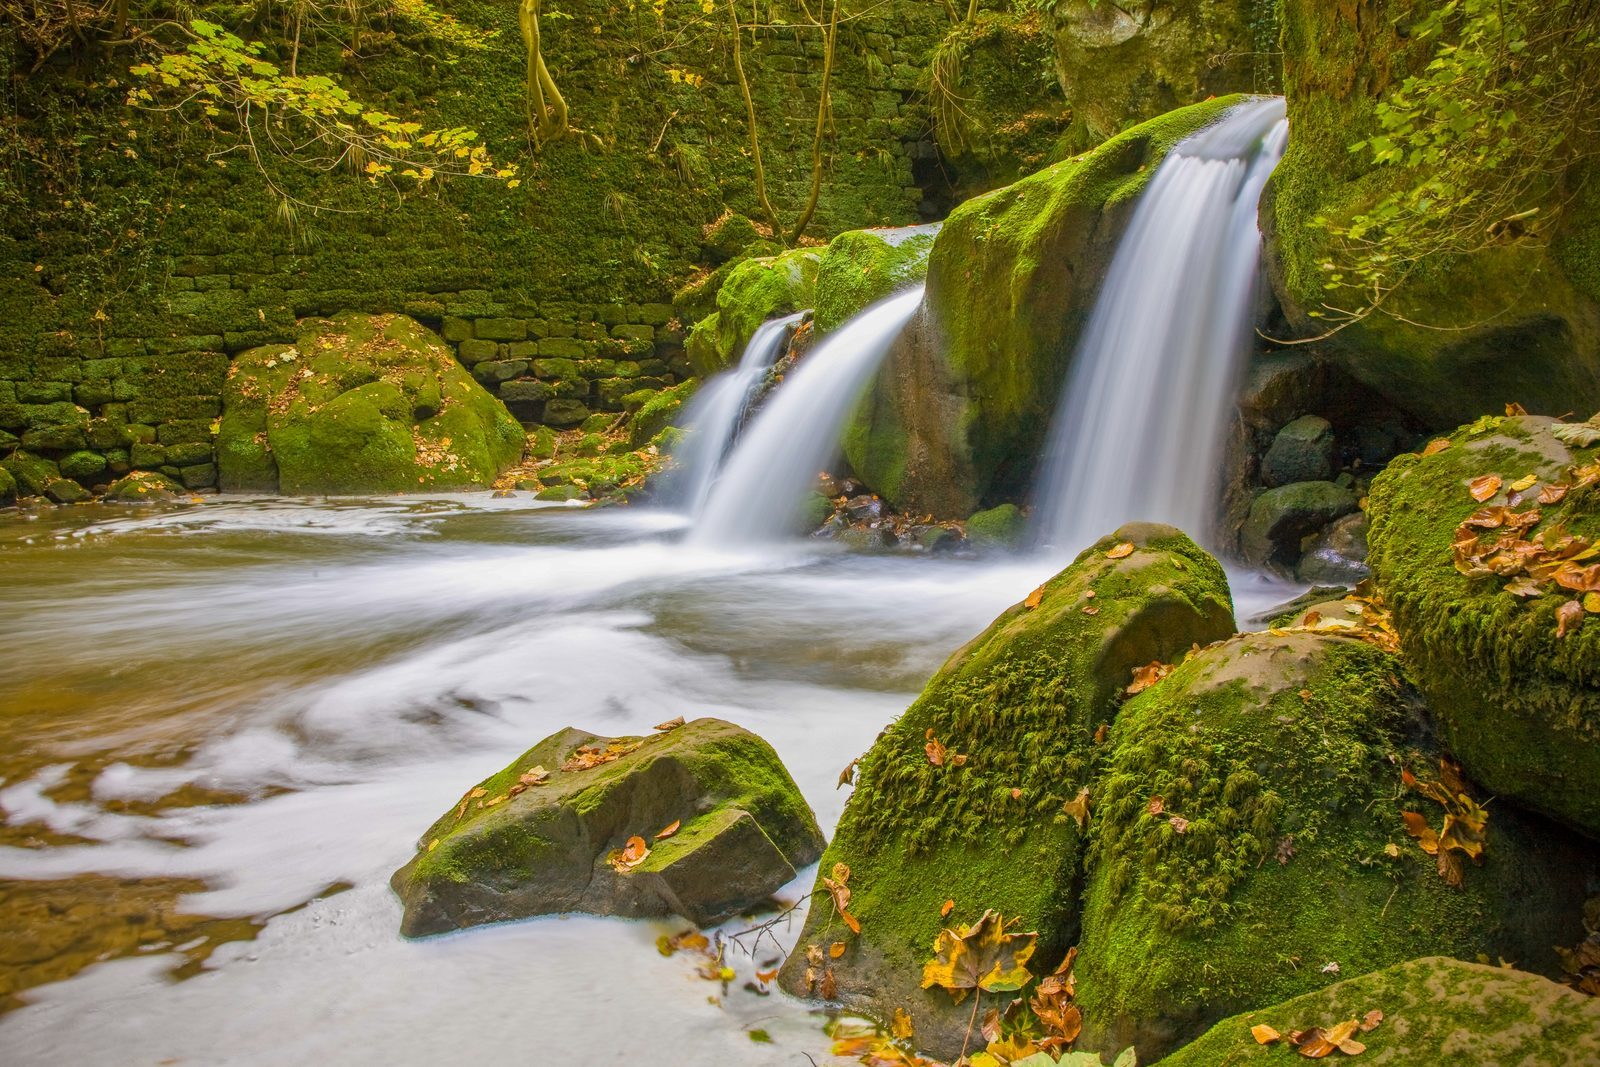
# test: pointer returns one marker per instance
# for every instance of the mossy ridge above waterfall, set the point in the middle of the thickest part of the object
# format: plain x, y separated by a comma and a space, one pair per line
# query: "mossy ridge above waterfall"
1012, 278
1512, 321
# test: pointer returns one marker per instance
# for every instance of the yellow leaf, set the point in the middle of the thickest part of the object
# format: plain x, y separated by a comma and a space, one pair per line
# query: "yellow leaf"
981, 956
670, 829
1527, 482
900, 1025
1078, 807
1121, 551
1034, 598
1264, 1034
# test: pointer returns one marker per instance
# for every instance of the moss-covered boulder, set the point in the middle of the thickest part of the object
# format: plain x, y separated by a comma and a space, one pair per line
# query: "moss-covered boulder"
1513, 320
36, 475
142, 486
1248, 845
658, 411
1435, 1011
861, 267
962, 797
541, 836
8, 488
1281, 519
360, 404
753, 292
997, 527
1516, 704
998, 109
963, 404
1120, 64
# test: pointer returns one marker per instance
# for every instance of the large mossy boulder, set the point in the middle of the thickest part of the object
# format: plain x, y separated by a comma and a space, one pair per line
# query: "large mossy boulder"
1435, 1011
861, 267
1509, 321
1518, 705
1120, 64
360, 404
753, 292
962, 797
1248, 845
959, 414
540, 836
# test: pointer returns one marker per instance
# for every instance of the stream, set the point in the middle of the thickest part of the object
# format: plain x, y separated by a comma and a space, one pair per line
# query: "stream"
243, 712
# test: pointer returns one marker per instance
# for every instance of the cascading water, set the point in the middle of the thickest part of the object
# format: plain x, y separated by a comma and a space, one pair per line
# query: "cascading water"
1139, 432
717, 415
764, 482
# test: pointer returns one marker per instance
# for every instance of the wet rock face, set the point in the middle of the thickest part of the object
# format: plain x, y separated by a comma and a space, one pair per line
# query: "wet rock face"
1338, 556
1011, 720
1302, 452
1281, 518
1431, 1008
724, 823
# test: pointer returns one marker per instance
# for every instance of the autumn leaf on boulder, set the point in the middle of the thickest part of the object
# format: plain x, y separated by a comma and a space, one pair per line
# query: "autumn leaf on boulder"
588, 756
1146, 676
981, 956
1264, 1034
1078, 808
1435, 446
1053, 1005
839, 888
1121, 551
1035, 598
630, 855
670, 724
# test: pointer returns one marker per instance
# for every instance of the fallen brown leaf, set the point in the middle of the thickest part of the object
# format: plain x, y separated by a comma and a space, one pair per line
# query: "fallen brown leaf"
670, 724
1035, 598
1436, 445
1121, 551
1484, 486
670, 829
1078, 808
1264, 1034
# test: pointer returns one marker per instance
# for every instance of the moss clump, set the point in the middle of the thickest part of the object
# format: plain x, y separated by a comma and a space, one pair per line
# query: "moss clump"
755, 291
511, 849
1282, 756
998, 527
142, 486
1021, 703
861, 267
361, 403
1012, 277
1431, 1008
8, 488
1465, 334
1519, 707
659, 411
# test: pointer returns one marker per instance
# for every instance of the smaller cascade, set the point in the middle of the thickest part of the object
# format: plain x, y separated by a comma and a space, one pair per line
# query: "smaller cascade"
1139, 431
717, 415
796, 434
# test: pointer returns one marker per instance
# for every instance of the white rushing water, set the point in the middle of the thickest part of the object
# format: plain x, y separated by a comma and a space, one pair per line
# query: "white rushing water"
716, 415
1139, 432
764, 482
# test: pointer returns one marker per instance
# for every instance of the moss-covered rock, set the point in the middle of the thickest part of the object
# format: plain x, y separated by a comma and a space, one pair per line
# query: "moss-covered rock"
143, 485
360, 403
1120, 64
997, 527
755, 291
1281, 753
1464, 335
1518, 706
658, 411
8, 488
966, 398
525, 843
997, 104
1016, 710
1281, 519
32, 473
1435, 1011
861, 267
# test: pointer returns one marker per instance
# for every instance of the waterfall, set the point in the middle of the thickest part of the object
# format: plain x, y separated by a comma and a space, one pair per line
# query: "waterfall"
1143, 419
717, 414
796, 434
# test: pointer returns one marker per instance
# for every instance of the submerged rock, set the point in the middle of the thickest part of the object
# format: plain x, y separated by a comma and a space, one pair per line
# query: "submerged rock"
1249, 845
539, 837
1518, 705
360, 403
1434, 1011
962, 797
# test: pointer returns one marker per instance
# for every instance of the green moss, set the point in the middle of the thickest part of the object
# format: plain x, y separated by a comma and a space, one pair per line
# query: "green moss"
361, 404
861, 267
1429, 1006
1021, 703
143, 485
998, 527
1519, 707
8, 488
1283, 755
755, 291
658, 412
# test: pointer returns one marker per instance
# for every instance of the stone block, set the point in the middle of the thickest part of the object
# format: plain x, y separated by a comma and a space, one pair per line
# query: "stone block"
555, 368
474, 352
563, 412
500, 370
501, 329
184, 431
634, 332
93, 394
201, 476
597, 368
189, 453
457, 329
148, 456
43, 392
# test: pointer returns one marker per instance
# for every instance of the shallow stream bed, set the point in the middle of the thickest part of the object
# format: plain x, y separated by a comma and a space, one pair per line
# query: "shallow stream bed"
223, 725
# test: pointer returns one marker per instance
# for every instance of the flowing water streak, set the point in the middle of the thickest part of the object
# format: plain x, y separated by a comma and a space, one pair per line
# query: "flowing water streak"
1139, 432
717, 414
764, 482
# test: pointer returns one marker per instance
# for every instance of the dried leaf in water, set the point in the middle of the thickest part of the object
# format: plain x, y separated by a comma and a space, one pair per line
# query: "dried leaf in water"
670, 829
900, 1025
670, 724
1078, 807
1121, 551
1484, 486
836, 949
1264, 1034
1435, 446
1569, 617
1035, 598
